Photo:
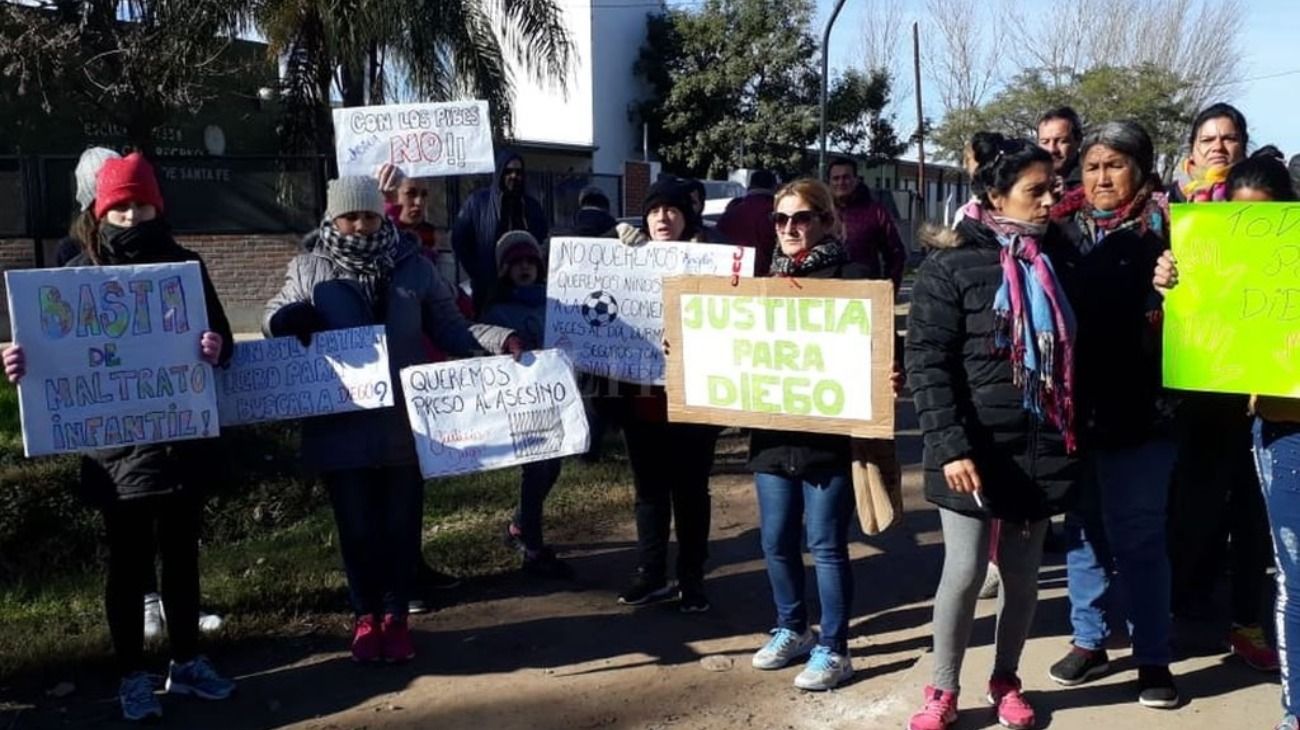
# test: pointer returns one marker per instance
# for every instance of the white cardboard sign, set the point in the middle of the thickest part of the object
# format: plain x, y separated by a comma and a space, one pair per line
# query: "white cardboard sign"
279, 379
112, 356
605, 300
424, 140
492, 412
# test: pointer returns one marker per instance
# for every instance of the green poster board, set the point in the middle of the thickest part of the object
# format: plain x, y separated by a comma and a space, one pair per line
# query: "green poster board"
1232, 324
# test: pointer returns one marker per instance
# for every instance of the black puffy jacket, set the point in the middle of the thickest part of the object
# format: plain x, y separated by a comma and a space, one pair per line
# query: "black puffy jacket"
1119, 400
796, 454
132, 472
968, 406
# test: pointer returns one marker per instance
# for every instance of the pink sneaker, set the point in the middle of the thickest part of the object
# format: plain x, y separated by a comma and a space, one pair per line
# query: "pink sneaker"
1013, 711
397, 639
939, 712
365, 640
1248, 642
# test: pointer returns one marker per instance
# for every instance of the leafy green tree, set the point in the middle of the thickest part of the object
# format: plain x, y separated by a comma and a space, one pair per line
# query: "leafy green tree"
380, 51
734, 85
1148, 94
857, 122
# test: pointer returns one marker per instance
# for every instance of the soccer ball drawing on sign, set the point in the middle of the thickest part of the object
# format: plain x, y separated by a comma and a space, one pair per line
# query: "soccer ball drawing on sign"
600, 309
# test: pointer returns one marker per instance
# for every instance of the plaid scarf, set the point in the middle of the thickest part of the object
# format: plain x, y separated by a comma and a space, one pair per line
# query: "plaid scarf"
368, 258
1034, 324
1148, 210
829, 252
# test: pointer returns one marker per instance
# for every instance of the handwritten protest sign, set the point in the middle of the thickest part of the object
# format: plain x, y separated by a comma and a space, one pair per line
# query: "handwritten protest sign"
765, 354
492, 412
605, 300
1232, 324
112, 356
279, 379
425, 140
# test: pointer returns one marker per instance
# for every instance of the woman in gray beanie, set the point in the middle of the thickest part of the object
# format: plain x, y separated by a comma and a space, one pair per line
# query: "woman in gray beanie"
363, 271
83, 223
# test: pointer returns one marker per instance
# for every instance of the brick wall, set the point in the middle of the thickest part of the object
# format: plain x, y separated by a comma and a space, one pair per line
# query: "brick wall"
636, 183
246, 270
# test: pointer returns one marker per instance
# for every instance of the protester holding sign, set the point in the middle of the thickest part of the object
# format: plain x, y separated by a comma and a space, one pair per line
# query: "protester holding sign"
151, 496
670, 462
1276, 437
489, 213
990, 348
362, 272
802, 476
520, 305
1214, 466
1118, 224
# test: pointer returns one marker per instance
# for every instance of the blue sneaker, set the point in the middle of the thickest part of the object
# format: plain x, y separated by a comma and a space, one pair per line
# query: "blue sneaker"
136, 694
784, 647
825, 670
197, 677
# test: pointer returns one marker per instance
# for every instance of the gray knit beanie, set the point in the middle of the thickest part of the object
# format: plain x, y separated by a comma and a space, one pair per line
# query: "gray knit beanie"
88, 172
352, 193
515, 245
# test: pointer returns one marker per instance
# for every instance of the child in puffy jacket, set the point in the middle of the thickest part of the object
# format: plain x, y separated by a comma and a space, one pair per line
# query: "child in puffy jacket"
520, 305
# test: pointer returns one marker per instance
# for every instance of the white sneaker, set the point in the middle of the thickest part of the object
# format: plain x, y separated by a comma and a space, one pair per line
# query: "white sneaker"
992, 582
210, 622
825, 670
154, 618
784, 647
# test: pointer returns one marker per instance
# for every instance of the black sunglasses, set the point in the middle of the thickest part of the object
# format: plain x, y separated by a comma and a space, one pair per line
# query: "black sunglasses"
802, 218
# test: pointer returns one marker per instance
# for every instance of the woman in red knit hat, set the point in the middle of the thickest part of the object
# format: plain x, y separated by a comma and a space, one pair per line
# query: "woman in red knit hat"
151, 492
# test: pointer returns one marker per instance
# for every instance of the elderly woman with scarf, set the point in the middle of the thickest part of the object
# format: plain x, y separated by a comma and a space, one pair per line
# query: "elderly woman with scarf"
1118, 224
362, 271
804, 478
1213, 467
990, 359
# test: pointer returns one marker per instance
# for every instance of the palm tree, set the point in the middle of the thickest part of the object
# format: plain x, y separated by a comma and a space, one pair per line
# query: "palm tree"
380, 51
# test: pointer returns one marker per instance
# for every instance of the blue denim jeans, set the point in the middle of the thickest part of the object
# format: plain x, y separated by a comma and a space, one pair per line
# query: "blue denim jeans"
1116, 535
538, 479
378, 513
1277, 456
824, 504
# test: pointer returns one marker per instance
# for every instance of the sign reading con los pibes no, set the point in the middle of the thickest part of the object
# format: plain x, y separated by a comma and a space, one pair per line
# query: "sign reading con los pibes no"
1232, 324
767, 353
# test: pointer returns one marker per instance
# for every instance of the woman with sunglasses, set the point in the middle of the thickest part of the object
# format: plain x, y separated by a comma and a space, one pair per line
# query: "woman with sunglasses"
803, 479
990, 351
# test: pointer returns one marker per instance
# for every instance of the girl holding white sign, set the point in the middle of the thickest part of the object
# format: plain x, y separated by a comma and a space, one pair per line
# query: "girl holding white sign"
361, 272
989, 353
804, 479
151, 495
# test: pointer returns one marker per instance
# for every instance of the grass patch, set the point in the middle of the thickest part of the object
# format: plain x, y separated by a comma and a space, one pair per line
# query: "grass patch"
270, 560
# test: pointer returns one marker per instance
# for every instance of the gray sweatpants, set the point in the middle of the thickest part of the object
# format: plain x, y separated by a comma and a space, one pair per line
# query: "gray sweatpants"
965, 563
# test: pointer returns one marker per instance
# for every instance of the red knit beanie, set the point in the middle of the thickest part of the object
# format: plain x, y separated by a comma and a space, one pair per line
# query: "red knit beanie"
129, 179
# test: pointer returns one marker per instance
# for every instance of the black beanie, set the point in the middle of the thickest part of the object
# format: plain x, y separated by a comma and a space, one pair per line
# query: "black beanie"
673, 193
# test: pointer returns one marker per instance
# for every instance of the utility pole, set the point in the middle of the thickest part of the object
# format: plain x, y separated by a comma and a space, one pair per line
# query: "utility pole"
920, 120
826, 80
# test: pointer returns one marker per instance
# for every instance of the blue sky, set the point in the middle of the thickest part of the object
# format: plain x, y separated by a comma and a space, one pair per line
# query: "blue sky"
1270, 44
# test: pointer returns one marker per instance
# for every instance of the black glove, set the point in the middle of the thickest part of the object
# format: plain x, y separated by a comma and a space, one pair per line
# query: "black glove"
298, 319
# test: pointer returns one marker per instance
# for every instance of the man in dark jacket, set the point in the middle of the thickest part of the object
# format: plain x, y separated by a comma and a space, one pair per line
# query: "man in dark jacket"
1060, 132
748, 222
486, 215
593, 218
869, 231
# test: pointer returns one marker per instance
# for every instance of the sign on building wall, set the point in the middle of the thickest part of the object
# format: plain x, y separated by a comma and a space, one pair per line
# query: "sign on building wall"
425, 140
605, 303
767, 354
112, 356
280, 379
1232, 324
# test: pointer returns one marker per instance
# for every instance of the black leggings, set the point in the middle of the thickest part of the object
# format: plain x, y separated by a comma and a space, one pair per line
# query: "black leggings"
139, 529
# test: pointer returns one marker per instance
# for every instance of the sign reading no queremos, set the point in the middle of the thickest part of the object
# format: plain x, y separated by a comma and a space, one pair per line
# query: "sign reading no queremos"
605, 302
425, 140
279, 379
112, 356
492, 412
768, 353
